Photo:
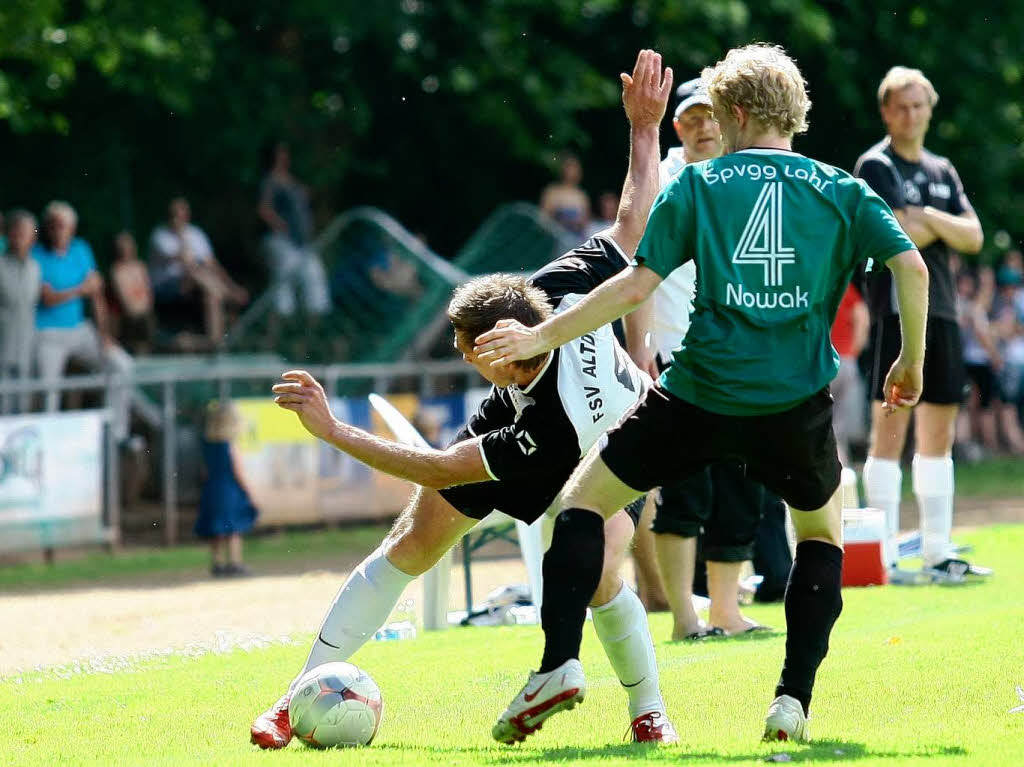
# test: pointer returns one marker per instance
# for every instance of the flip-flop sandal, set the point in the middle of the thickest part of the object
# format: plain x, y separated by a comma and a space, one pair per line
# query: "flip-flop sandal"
758, 629
709, 633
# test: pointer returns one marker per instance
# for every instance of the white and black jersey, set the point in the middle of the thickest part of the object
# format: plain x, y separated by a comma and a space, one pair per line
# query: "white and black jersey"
673, 298
533, 437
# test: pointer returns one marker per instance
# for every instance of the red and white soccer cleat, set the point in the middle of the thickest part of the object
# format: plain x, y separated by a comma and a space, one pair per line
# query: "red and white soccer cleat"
272, 728
653, 728
541, 697
786, 721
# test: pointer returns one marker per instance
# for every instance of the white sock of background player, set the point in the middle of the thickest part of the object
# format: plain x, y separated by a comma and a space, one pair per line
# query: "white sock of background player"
361, 606
883, 481
621, 625
933, 486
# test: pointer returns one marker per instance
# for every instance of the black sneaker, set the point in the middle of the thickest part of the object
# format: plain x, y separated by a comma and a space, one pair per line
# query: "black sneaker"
219, 571
956, 571
232, 570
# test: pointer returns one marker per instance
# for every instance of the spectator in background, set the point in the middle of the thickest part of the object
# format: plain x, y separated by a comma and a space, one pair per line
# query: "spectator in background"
1008, 330
607, 208
284, 209
3, 232
19, 293
981, 357
564, 201
184, 269
226, 510
69, 276
849, 336
134, 296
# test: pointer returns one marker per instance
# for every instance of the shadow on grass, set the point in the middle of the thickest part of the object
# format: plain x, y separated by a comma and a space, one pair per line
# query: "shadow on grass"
822, 750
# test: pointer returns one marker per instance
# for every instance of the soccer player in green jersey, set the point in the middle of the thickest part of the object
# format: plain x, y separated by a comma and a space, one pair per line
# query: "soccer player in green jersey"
775, 236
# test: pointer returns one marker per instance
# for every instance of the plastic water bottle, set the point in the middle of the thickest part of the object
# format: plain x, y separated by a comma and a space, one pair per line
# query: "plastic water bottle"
402, 624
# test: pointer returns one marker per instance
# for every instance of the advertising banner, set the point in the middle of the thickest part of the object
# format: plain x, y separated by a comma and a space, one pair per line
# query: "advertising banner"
296, 479
51, 479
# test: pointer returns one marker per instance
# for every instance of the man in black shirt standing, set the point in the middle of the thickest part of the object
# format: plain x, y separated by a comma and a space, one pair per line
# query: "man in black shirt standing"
926, 194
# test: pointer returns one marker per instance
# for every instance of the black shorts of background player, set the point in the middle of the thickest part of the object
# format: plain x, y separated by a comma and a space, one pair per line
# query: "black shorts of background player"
724, 510
925, 192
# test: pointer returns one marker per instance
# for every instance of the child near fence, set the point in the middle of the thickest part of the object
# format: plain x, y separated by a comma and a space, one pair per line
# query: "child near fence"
226, 510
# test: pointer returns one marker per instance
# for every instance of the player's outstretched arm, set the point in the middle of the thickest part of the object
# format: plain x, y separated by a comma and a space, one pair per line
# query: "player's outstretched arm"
905, 380
458, 465
645, 95
510, 340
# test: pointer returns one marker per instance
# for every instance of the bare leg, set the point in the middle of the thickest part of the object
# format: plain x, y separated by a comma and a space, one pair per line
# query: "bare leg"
676, 561
648, 579
235, 549
1011, 427
724, 590
217, 550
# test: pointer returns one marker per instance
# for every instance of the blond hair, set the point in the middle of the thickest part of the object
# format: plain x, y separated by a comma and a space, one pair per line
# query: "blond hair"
898, 78
764, 81
223, 421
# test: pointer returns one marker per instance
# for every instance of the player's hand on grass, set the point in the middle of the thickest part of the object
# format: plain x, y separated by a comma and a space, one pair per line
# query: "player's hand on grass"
304, 396
508, 341
645, 93
903, 384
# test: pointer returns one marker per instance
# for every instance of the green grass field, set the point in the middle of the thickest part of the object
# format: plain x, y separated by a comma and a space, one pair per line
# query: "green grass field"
915, 676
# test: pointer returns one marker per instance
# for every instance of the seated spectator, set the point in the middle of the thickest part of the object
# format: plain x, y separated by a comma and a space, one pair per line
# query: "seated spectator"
184, 271
134, 296
69, 276
564, 200
284, 210
19, 294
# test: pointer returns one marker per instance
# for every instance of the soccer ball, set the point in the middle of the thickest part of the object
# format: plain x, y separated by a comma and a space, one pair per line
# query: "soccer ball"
336, 704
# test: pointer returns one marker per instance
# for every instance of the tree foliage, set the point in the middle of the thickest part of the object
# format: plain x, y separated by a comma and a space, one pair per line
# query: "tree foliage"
438, 110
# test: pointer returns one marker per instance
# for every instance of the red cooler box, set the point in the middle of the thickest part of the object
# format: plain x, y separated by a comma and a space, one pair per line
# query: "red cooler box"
863, 540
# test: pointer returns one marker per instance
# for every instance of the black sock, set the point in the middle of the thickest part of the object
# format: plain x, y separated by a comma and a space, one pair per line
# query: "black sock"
572, 571
813, 602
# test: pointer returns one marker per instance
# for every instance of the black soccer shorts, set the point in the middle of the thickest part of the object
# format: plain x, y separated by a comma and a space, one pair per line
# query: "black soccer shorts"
721, 502
792, 453
945, 379
524, 500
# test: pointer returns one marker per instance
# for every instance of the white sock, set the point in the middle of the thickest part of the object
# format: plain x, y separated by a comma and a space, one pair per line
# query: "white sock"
362, 605
933, 486
883, 481
621, 625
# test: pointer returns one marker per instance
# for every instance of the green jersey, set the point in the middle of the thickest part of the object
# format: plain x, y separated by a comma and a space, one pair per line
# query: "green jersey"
775, 237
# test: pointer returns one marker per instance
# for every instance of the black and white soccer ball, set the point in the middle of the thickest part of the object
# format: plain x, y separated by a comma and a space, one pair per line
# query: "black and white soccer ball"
336, 704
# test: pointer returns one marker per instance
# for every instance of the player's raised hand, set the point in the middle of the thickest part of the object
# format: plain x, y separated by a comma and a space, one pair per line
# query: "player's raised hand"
508, 341
903, 385
304, 396
645, 93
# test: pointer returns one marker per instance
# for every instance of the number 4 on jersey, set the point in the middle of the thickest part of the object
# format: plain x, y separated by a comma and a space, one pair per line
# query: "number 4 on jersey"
761, 241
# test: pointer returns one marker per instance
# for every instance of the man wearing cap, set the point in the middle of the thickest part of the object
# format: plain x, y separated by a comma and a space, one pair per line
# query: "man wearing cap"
719, 501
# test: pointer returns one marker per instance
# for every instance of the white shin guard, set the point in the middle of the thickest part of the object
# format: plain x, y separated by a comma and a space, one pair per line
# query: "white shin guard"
933, 486
621, 625
361, 607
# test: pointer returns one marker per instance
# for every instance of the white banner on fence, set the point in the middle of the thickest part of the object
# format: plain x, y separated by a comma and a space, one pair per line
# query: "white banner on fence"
51, 473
